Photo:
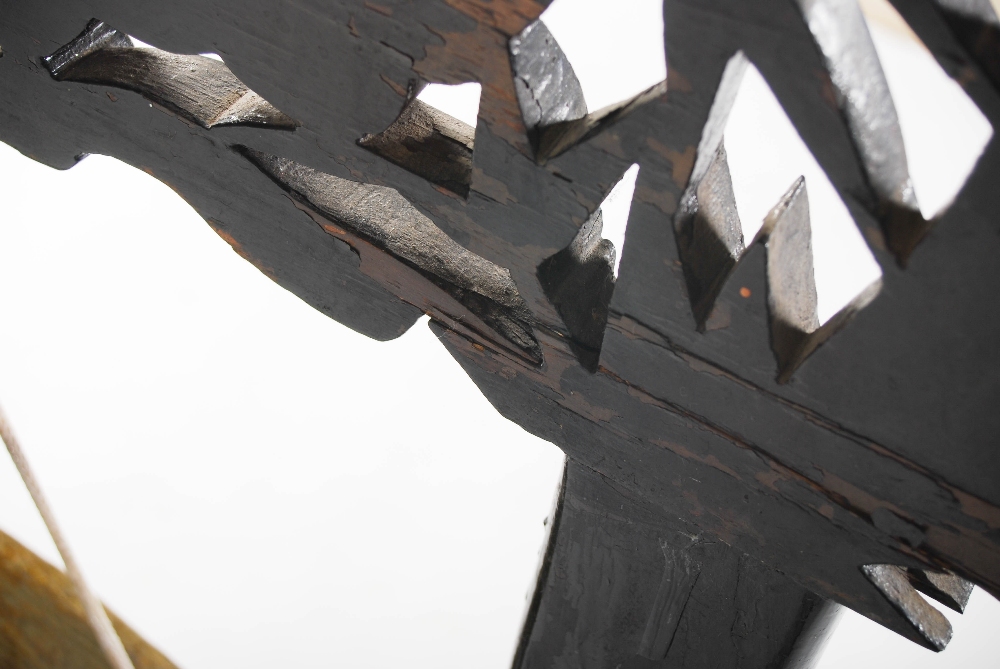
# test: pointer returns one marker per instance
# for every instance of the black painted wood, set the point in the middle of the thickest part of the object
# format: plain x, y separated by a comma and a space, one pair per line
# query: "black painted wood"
625, 587
878, 450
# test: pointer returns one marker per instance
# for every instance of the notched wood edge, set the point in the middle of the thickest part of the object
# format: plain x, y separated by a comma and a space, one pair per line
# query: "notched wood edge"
198, 89
410, 256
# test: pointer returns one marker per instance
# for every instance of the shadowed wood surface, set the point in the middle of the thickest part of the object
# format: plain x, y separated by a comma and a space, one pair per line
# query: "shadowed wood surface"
659, 593
428, 143
879, 448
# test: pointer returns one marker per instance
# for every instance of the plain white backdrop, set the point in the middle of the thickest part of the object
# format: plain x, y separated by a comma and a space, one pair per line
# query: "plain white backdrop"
250, 484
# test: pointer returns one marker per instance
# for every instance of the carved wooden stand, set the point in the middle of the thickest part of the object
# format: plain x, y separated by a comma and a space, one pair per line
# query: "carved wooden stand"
726, 486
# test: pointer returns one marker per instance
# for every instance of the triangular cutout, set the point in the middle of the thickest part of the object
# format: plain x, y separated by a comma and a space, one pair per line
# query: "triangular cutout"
820, 271
766, 154
943, 130
580, 279
430, 142
917, 134
582, 65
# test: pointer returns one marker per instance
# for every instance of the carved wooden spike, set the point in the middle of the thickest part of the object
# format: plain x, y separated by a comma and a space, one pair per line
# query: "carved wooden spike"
95, 37
579, 280
685, 432
709, 235
550, 96
710, 243
791, 300
429, 143
412, 258
791, 283
976, 26
44, 624
933, 628
944, 587
548, 91
199, 89
863, 93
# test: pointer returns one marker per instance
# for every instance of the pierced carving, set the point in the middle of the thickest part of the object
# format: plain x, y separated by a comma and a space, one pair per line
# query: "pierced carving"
580, 279
711, 243
410, 256
551, 99
709, 235
672, 427
199, 89
795, 328
791, 282
430, 143
863, 94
